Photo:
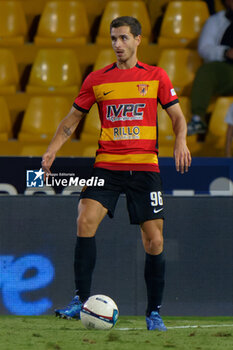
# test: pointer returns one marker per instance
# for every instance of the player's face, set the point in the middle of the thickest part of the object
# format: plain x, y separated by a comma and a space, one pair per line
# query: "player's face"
124, 43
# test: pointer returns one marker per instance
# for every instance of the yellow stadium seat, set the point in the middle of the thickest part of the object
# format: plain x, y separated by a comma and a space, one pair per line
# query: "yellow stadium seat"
90, 134
42, 117
181, 66
9, 148
37, 149
5, 121
156, 9
70, 149
89, 151
62, 24
166, 137
55, 71
218, 5
9, 76
182, 24
27, 149
94, 10
216, 135
104, 58
13, 27
114, 9
33, 7
91, 128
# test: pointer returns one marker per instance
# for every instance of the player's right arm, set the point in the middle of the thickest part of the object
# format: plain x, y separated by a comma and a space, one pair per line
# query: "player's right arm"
64, 131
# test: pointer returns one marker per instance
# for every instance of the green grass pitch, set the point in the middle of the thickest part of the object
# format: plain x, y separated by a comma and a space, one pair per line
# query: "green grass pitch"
51, 333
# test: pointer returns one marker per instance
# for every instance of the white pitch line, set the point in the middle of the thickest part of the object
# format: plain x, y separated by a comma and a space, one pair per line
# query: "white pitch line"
202, 326
182, 327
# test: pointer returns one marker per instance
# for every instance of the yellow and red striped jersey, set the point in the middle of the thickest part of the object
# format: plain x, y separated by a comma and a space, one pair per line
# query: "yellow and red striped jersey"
127, 102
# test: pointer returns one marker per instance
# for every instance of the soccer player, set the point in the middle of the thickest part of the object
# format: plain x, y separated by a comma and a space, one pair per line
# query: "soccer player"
127, 93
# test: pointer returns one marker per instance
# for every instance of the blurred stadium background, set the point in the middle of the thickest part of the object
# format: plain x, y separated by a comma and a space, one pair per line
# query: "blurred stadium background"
48, 47
46, 50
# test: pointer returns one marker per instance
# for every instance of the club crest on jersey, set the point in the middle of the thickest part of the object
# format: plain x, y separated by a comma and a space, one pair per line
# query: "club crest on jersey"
143, 89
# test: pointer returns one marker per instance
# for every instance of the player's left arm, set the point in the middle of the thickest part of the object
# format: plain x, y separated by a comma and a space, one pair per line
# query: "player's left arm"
181, 152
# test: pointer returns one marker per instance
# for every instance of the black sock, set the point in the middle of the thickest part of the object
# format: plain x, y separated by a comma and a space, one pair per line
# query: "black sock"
84, 263
154, 274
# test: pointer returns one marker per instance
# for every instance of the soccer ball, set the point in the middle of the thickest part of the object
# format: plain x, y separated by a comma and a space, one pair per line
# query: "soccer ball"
99, 312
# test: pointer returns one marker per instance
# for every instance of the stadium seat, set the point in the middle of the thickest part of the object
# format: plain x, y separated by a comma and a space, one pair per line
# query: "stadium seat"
62, 24
5, 121
114, 9
13, 27
155, 9
30, 149
9, 148
216, 135
91, 128
89, 137
42, 117
181, 66
55, 71
218, 5
104, 58
27, 149
33, 7
94, 9
37, 149
9, 76
182, 24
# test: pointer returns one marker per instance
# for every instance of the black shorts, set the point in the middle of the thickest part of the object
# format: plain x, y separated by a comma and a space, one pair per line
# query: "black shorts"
143, 191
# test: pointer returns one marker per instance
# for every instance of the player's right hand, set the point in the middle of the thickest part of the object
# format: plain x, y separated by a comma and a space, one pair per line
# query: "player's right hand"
47, 161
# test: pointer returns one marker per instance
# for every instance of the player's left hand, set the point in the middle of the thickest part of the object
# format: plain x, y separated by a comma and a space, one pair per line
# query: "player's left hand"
182, 157
47, 160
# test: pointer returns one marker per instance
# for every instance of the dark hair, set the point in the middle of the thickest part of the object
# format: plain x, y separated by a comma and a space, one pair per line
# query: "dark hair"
133, 23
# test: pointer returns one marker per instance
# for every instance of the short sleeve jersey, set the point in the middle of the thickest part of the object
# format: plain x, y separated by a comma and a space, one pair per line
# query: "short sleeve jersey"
127, 102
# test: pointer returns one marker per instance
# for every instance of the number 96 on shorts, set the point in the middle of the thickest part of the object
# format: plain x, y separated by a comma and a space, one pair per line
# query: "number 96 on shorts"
156, 201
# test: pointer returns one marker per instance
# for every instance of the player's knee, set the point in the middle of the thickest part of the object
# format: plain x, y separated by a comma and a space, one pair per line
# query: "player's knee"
154, 245
157, 243
86, 224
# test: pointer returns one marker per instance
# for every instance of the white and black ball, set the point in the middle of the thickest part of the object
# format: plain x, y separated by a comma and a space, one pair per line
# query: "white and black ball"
99, 312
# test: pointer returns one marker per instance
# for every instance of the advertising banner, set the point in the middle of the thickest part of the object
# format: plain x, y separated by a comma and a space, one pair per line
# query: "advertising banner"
23, 175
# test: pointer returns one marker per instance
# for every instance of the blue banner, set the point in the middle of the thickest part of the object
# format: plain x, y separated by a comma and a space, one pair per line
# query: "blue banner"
23, 175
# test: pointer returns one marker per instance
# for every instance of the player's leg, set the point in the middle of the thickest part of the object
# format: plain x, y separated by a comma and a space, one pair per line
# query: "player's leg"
95, 202
154, 272
152, 236
145, 206
90, 215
